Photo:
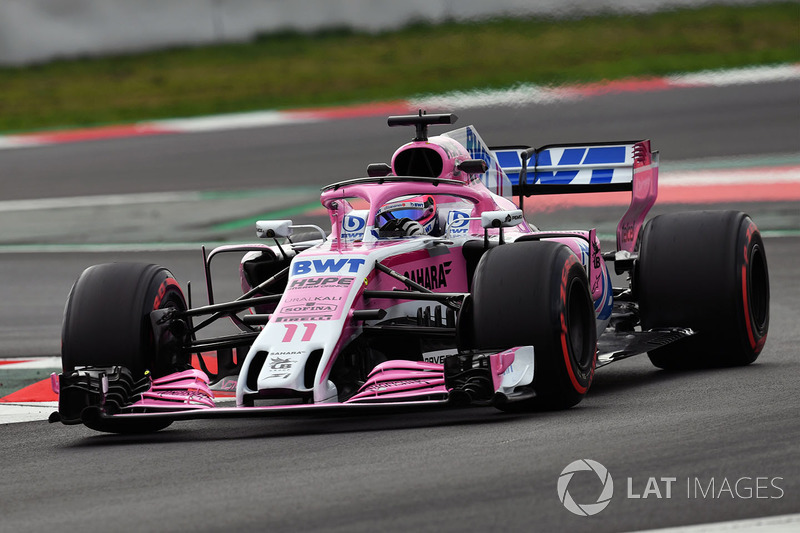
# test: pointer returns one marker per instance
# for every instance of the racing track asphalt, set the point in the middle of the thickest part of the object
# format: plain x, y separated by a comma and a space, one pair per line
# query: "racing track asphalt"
464, 470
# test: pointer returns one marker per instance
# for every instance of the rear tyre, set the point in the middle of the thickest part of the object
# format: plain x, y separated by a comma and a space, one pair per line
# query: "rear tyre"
706, 270
107, 323
536, 293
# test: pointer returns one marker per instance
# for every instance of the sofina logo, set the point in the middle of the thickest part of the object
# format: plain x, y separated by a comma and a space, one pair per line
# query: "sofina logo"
586, 509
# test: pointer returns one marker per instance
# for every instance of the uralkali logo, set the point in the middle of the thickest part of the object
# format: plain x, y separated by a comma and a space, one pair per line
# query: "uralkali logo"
586, 509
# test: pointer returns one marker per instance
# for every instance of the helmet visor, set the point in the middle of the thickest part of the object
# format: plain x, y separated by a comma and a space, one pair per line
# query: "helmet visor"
421, 209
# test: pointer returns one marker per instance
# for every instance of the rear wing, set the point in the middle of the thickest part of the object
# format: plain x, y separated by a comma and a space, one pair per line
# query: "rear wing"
591, 167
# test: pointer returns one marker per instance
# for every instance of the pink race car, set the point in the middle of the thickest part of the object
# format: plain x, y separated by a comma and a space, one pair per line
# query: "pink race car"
431, 290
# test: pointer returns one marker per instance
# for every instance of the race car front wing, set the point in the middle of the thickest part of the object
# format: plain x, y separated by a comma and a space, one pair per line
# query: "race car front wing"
107, 399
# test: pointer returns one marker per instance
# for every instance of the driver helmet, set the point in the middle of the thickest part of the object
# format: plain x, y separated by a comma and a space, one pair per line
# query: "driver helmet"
420, 209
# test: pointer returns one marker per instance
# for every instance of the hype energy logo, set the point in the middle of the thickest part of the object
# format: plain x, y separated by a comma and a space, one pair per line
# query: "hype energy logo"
585, 509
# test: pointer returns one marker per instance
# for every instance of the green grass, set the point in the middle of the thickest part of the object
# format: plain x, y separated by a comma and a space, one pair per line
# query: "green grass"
338, 66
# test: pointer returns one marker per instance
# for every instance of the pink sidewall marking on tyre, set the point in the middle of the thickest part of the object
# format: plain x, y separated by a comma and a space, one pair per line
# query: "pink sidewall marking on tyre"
564, 345
755, 343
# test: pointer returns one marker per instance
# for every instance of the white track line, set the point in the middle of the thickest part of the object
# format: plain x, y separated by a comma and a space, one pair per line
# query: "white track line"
17, 141
256, 119
730, 176
788, 523
518, 96
28, 363
13, 413
526, 94
742, 76
97, 201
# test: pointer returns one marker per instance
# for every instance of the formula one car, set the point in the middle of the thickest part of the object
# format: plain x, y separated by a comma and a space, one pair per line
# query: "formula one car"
431, 291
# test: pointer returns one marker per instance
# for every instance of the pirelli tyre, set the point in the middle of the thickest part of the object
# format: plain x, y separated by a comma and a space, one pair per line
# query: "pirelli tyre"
706, 270
107, 318
537, 293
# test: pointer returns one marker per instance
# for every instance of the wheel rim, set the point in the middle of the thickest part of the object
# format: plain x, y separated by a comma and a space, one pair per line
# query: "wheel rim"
167, 360
578, 322
759, 289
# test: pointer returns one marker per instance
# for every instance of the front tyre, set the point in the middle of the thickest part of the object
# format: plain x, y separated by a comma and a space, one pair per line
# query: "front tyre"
537, 293
706, 270
107, 319
107, 324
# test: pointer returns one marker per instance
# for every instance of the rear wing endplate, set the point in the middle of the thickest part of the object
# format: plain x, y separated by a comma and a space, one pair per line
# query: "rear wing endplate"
591, 167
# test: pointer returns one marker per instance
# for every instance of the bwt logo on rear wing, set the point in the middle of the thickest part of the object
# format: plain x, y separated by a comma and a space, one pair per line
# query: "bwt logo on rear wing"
568, 168
589, 167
